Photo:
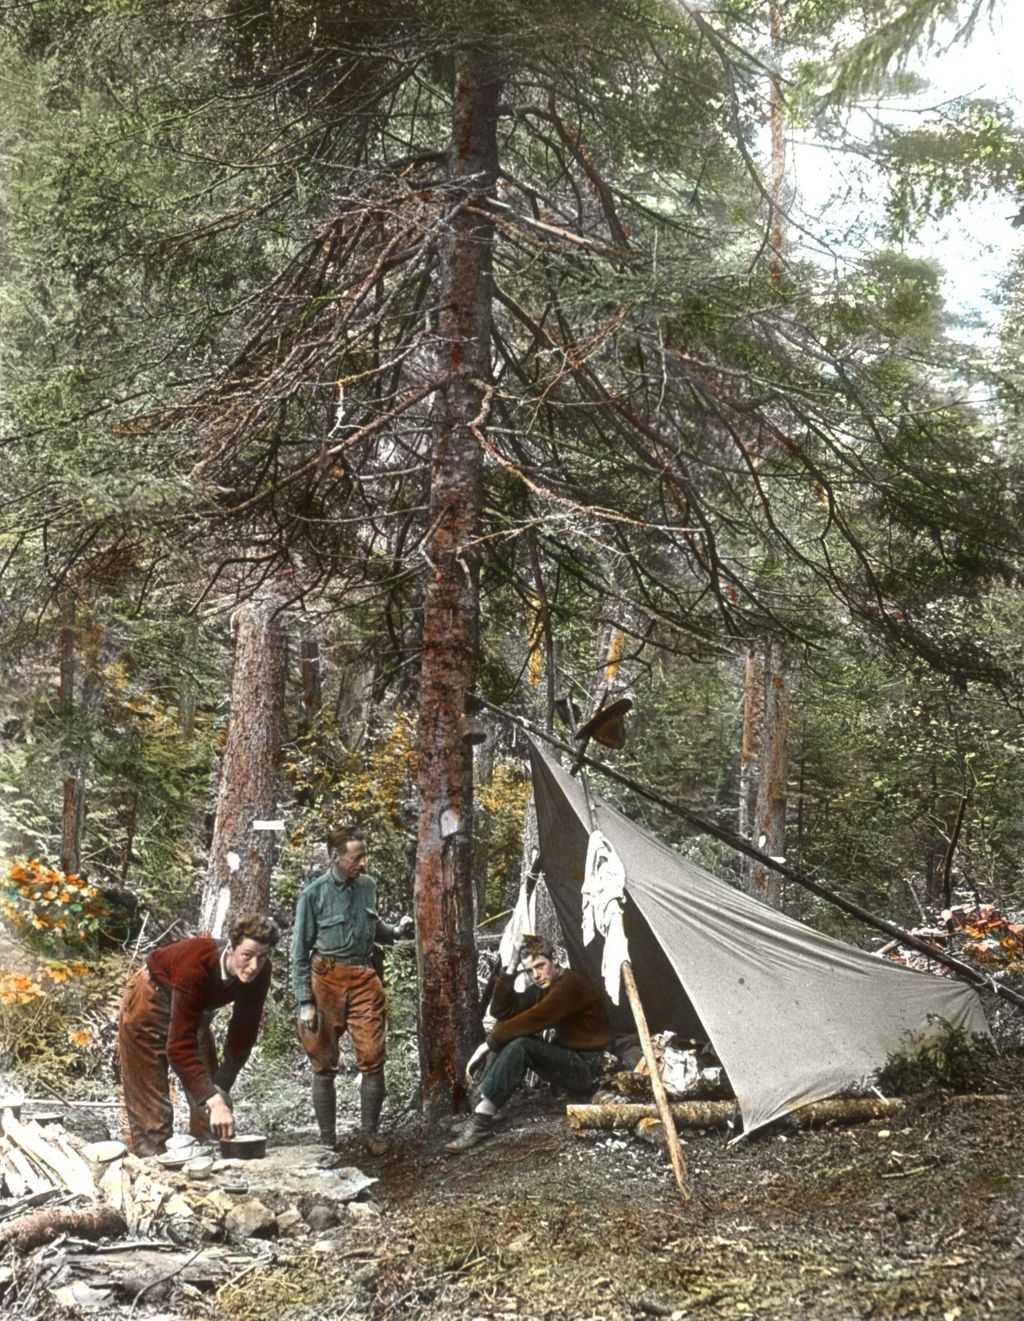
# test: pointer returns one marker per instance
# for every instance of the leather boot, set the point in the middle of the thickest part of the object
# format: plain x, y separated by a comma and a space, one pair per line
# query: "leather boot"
371, 1101
479, 1128
325, 1107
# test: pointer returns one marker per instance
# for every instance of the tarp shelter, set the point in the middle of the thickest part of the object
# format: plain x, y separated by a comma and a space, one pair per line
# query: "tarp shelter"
794, 1016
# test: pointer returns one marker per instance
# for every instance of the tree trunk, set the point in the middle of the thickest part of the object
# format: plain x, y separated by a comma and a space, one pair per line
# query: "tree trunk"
449, 1000
770, 812
777, 103
750, 747
311, 692
238, 877
72, 822
73, 811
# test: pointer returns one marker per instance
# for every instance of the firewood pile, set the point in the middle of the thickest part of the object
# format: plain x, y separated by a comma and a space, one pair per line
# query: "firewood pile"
105, 1225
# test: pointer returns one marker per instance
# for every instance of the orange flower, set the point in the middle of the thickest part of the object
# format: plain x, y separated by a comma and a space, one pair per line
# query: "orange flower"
64, 897
15, 989
81, 1037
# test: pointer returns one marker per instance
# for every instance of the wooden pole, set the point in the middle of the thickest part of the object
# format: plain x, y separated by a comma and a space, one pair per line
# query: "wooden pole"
675, 1151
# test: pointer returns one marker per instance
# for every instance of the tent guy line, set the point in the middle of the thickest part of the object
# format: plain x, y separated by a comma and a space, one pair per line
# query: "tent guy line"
979, 979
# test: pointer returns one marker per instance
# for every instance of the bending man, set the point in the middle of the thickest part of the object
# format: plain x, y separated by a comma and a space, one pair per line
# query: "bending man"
559, 999
338, 990
165, 1020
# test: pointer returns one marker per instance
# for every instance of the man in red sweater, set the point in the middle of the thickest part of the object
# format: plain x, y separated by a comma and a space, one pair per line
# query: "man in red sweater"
165, 1020
559, 999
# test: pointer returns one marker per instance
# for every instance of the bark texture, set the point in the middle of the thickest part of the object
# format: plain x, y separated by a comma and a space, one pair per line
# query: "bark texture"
311, 693
449, 1001
770, 813
238, 878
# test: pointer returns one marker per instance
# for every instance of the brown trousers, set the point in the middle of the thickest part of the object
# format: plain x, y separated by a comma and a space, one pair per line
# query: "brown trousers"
142, 1052
349, 998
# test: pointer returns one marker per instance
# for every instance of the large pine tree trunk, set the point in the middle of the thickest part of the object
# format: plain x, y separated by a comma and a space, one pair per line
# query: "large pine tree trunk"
238, 877
770, 812
449, 1001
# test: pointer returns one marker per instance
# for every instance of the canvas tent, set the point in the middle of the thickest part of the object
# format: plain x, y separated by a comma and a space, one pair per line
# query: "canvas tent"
794, 1016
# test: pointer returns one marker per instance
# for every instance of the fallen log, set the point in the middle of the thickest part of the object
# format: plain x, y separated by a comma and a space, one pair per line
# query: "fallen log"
688, 1114
725, 1114
38, 1227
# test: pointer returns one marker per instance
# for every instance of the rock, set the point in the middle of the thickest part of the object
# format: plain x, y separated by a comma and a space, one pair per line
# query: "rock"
326, 1246
652, 1130
250, 1219
176, 1205
290, 1220
81, 1297
363, 1210
320, 1217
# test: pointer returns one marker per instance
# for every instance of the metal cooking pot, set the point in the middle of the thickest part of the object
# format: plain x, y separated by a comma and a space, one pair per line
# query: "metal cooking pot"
250, 1147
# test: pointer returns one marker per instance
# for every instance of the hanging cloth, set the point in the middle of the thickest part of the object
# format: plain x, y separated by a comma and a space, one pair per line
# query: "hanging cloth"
604, 897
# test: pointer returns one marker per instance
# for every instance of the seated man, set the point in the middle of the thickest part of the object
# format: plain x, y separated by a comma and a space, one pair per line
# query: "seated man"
165, 1019
560, 999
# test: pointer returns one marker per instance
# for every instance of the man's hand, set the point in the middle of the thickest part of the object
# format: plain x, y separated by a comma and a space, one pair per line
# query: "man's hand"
222, 1121
478, 1062
404, 928
307, 1016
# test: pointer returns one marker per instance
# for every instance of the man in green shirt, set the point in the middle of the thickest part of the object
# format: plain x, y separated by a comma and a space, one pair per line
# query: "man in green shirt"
338, 990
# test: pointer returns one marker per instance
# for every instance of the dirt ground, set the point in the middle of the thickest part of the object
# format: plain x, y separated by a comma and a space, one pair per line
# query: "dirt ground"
922, 1216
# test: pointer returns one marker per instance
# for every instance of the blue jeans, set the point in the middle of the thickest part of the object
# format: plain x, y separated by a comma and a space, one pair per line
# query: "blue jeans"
576, 1070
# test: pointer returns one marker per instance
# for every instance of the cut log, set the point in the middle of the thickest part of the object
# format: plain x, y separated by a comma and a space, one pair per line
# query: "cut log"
38, 1227
689, 1114
722, 1114
71, 1170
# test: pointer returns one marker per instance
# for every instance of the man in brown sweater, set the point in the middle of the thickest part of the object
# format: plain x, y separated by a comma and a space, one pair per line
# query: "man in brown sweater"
559, 999
165, 1020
